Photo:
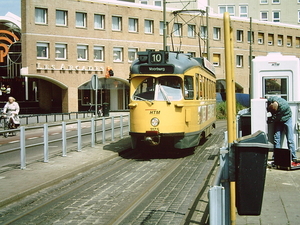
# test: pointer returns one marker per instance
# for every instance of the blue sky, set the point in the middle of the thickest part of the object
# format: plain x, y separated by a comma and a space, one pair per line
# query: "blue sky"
13, 6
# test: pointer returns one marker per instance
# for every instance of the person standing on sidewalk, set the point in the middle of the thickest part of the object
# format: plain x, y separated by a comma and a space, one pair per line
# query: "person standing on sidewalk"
282, 119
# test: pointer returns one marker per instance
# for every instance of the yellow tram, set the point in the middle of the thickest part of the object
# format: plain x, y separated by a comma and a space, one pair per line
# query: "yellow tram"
172, 99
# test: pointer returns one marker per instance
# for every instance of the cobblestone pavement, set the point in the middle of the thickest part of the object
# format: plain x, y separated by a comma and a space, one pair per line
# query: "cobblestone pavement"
126, 190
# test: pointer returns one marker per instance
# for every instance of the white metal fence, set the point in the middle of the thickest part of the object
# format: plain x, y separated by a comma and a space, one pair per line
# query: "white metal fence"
100, 129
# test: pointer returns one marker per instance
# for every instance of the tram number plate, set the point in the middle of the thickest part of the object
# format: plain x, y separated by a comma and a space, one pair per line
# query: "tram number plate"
157, 57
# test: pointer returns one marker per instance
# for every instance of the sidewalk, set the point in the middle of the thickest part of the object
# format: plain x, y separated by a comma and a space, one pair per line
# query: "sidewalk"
280, 201
17, 184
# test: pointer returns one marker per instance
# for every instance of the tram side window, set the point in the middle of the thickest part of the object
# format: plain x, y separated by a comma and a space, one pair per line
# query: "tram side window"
188, 87
197, 86
201, 87
276, 86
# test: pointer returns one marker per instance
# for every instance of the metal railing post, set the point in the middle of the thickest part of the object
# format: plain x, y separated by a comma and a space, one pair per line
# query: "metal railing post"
93, 132
23, 149
128, 122
46, 143
121, 126
217, 205
64, 139
103, 130
112, 128
79, 139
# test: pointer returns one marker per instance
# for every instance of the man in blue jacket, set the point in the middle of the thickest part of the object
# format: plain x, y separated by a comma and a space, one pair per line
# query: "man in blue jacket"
282, 119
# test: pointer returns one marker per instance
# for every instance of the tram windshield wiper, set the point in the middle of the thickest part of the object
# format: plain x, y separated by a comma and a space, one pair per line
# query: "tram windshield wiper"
164, 94
143, 99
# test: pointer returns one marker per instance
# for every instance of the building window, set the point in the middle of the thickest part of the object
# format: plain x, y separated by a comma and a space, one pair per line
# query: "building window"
132, 54
275, 1
299, 16
60, 51
99, 21
227, 8
42, 50
280, 40
203, 32
243, 11
80, 19
239, 61
264, 16
240, 35
145, 2
148, 26
192, 54
217, 32
297, 42
98, 53
250, 37
82, 52
177, 29
191, 30
289, 41
216, 59
118, 54
117, 23
261, 39
132, 25
161, 28
41, 16
61, 17
276, 16
157, 3
270, 39
263, 1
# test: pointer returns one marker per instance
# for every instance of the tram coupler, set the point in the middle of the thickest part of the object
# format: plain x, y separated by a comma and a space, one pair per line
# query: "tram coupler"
152, 138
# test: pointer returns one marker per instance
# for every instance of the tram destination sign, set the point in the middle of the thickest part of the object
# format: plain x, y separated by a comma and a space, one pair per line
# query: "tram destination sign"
156, 69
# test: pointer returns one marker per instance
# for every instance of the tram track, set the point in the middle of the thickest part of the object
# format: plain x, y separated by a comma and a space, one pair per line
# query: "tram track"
130, 189
76, 184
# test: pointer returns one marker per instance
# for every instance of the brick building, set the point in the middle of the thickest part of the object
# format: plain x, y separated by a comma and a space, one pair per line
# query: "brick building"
65, 42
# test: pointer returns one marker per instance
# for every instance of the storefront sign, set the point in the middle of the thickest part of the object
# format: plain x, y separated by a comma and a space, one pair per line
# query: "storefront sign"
6, 42
64, 67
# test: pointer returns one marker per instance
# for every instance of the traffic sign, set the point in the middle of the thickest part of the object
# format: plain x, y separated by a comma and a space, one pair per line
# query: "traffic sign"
94, 82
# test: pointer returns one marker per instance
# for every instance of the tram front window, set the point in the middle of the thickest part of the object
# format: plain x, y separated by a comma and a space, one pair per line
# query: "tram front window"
166, 88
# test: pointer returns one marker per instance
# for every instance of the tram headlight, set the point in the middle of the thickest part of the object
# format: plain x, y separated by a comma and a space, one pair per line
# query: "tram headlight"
154, 122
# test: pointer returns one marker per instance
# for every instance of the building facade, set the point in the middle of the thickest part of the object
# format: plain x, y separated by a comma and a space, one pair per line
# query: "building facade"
193, 4
265, 10
10, 56
64, 43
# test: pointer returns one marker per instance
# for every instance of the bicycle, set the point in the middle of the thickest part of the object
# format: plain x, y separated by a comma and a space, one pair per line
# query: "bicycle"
99, 112
8, 124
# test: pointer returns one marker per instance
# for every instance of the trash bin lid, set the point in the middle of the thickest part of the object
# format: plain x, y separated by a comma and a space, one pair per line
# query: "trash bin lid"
257, 137
253, 145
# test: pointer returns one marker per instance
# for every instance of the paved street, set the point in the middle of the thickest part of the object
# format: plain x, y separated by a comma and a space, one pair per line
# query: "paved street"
126, 189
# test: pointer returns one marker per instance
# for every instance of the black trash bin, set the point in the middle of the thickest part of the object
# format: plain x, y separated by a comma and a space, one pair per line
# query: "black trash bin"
251, 155
105, 109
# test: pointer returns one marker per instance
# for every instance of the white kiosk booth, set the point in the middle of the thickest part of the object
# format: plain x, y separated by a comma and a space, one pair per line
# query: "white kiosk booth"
275, 74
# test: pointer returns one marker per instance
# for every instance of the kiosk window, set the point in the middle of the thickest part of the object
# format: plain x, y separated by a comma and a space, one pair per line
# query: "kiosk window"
276, 86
